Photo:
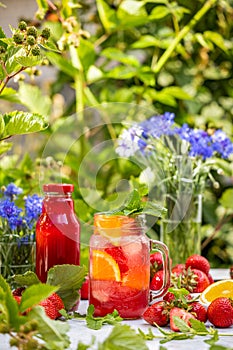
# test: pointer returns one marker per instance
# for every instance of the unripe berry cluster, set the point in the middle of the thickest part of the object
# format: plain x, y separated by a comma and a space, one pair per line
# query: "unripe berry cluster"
29, 38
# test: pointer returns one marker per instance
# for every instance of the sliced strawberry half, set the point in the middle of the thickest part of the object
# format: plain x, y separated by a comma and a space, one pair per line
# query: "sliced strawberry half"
182, 314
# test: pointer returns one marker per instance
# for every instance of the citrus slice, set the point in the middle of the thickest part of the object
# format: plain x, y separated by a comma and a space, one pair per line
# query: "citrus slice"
110, 226
104, 267
222, 288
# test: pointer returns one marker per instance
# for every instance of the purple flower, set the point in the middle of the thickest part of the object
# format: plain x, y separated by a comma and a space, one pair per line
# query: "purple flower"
33, 208
10, 212
222, 144
12, 190
158, 125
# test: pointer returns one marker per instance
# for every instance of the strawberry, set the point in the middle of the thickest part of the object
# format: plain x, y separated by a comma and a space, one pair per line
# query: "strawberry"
196, 261
201, 281
181, 313
118, 255
210, 278
18, 291
220, 312
50, 308
178, 269
84, 289
17, 298
57, 302
231, 271
169, 297
156, 263
157, 281
199, 311
157, 313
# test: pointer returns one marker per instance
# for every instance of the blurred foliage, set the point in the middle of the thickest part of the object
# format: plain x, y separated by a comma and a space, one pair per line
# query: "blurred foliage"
150, 56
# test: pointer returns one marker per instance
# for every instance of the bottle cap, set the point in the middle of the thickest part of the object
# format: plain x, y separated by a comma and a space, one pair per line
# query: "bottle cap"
60, 188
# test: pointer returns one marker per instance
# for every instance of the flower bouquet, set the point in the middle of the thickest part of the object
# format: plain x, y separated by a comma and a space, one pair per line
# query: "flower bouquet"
176, 162
17, 237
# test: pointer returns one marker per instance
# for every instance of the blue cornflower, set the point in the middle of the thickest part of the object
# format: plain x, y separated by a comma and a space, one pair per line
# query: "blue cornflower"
10, 212
222, 144
131, 141
159, 125
33, 208
12, 190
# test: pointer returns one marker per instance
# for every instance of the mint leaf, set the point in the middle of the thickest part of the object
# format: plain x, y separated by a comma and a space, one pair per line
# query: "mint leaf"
213, 339
198, 326
69, 278
53, 333
181, 324
149, 336
123, 337
97, 322
27, 279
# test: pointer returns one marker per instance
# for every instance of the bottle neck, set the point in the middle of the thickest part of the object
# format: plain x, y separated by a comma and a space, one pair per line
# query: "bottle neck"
58, 202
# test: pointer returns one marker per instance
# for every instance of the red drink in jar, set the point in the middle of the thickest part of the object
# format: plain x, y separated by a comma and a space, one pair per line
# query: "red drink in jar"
57, 230
120, 266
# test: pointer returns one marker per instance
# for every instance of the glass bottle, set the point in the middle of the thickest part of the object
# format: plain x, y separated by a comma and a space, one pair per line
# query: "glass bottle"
119, 272
57, 230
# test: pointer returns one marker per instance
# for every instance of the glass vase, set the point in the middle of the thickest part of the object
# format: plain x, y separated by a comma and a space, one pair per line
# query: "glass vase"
17, 256
181, 230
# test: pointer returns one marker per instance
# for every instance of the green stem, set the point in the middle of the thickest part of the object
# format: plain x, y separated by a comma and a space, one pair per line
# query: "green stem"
163, 59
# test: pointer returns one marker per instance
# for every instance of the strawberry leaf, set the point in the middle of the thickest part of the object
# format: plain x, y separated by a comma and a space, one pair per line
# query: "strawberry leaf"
27, 279
54, 333
198, 326
69, 278
34, 294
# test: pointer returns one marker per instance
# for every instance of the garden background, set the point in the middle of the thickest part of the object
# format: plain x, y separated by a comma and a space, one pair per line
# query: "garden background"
114, 58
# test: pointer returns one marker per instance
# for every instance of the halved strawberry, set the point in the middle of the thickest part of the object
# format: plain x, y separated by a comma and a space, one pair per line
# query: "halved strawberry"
181, 313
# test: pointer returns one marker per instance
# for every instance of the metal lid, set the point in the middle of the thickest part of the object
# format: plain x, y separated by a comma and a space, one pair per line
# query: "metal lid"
61, 188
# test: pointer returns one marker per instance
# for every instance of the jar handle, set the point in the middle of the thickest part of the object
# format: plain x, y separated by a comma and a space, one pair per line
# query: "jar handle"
163, 249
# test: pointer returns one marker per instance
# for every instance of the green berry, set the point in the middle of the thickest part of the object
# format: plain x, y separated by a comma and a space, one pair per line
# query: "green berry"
45, 33
35, 51
22, 25
31, 40
32, 31
18, 38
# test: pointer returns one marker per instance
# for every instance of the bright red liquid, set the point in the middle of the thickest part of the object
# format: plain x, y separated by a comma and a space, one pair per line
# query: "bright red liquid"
57, 236
109, 295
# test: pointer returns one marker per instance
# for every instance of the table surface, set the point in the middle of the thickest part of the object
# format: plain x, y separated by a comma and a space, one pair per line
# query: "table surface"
80, 332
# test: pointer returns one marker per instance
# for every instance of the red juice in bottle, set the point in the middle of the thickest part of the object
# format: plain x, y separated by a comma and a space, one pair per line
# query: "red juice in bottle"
57, 230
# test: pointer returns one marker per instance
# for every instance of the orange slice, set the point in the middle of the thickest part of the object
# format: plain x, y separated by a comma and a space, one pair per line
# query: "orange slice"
104, 267
138, 279
218, 289
110, 226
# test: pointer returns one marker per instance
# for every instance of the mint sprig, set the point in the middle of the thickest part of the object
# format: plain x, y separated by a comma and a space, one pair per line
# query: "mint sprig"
135, 204
97, 322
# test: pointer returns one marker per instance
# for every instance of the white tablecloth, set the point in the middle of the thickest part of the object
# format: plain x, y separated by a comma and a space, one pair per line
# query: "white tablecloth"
80, 332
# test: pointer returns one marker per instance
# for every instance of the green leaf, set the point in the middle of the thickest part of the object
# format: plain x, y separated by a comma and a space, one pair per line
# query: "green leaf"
69, 278
10, 95
226, 199
64, 65
198, 326
32, 97
53, 333
93, 74
5, 146
14, 320
97, 322
107, 16
148, 41
17, 123
131, 13
177, 92
181, 324
124, 337
34, 294
2, 126
215, 38
117, 55
122, 72
27, 279
159, 12
86, 54
29, 61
